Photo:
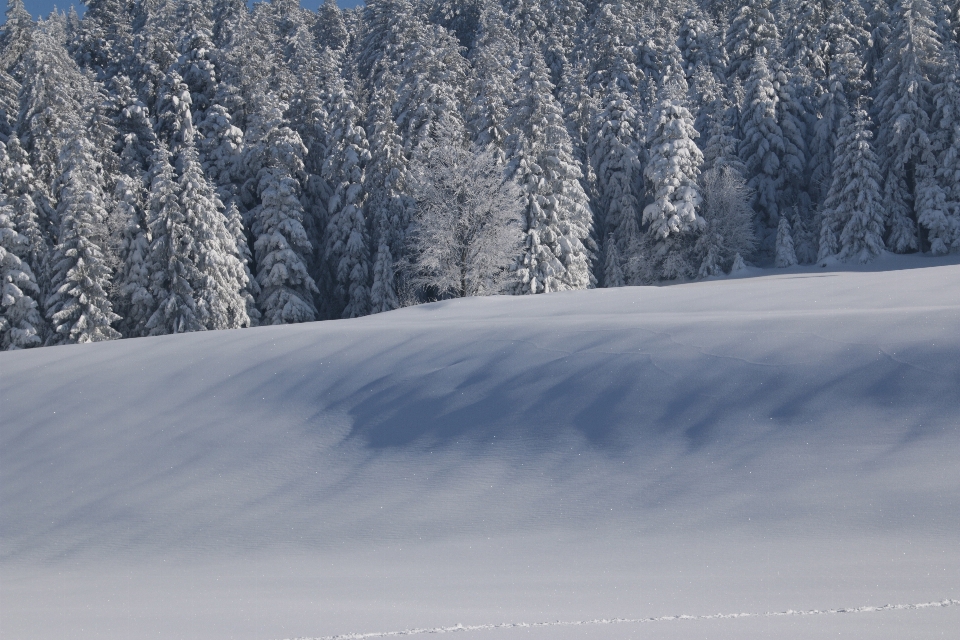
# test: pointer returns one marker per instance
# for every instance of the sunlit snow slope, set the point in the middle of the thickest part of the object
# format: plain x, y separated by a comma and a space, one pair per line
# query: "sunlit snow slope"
784, 441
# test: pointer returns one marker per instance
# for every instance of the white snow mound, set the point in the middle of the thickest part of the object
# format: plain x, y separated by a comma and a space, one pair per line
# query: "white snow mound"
782, 442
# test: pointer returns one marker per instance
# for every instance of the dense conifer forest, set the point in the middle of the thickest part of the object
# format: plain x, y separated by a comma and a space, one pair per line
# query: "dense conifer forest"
183, 165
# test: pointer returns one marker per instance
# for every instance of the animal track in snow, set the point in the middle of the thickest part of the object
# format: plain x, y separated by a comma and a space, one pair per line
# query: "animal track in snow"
715, 616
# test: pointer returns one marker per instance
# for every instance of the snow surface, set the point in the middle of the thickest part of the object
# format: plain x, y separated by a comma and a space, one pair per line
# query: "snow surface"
785, 441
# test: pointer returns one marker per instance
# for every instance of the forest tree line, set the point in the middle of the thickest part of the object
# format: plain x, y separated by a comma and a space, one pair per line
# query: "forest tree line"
181, 165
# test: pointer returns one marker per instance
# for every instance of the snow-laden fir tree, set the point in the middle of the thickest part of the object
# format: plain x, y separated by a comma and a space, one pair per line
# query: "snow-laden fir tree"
172, 269
493, 81
840, 57
281, 246
347, 243
15, 37
78, 306
717, 118
30, 208
52, 99
904, 99
104, 41
221, 149
528, 19
251, 289
791, 115
761, 145
223, 278
852, 218
21, 324
135, 302
785, 255
942, 216
673, 168
329, 29
557, 223
700, 40
614, 154
433, 83
9, 104
752, 32
389, 205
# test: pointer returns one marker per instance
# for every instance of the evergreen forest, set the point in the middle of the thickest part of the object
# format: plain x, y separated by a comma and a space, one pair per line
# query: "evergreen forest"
182, 165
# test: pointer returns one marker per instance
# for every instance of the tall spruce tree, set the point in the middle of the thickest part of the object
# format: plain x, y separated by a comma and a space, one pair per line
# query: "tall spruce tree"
347, 241
558, 247
904, 97
852, 219
21, 325
281, 246
78, 306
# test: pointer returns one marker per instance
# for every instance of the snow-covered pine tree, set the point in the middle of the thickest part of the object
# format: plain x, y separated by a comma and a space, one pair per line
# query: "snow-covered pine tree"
104, 40
318, 80
802, 228
558, 247
9, 104
942, 219
52, 99
613, 275
171, 264
347, 251
329, 29
389, 206
15, 37
673, 167
281, 246
459, 17
761, 147
221, 149
610, 47
852, 218
752, 33
197, 62
31, 210
791, 86
701, 44
433, 88
21, 325
174, 116
135, 302
493, 81
391, 30
904, 98
222, 276
238, 233
785, 254
529, 21
568, 20
716, 119
78, 306
614, 154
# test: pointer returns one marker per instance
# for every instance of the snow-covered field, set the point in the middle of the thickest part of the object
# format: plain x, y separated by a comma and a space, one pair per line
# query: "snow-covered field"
784, 441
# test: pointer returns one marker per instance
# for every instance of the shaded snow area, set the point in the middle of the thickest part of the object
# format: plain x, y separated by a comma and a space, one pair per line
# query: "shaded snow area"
782, 443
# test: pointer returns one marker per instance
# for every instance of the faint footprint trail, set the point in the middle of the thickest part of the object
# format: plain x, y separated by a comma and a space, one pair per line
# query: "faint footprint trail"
716, 616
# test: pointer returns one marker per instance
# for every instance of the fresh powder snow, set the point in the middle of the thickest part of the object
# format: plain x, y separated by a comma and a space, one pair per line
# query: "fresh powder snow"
635, 462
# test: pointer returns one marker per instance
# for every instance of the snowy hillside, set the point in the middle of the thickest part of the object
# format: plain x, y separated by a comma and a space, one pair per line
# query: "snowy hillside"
787, 441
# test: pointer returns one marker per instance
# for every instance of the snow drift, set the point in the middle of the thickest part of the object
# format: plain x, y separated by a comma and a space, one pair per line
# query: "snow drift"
782, 442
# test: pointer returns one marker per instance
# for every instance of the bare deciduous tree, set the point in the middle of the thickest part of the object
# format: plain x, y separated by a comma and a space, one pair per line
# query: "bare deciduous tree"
466, 236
